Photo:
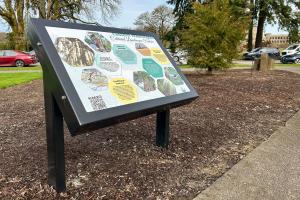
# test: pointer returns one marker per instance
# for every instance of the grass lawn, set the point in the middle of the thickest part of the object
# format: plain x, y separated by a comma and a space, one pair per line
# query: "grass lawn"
249, 65
185, 66
287, 65
38, 67
12, 79
234, 65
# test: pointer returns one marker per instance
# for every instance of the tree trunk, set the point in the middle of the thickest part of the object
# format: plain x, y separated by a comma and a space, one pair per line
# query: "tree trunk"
260, 29
250, 36
209, 70
250, 30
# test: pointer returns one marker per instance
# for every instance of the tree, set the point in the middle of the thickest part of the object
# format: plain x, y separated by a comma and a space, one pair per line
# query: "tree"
160, 21
184, 7
15, 12
272, 11
12, 12
212, 34
262, 11
294, 29
75, 10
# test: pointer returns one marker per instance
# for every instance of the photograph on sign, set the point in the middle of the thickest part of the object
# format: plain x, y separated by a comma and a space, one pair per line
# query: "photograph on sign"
113, 69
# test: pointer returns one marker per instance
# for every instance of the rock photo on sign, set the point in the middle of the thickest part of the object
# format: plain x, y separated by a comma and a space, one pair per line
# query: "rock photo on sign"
98, 42
74, 52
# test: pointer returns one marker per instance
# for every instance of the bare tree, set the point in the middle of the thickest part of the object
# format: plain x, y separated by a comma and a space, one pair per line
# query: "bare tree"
85, 11
14, 13
160, 21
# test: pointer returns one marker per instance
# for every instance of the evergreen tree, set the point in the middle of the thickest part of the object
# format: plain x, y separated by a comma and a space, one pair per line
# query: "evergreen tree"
212, 34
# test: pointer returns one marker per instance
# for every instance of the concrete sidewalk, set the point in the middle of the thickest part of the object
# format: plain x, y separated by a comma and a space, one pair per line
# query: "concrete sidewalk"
269, 172
290, 69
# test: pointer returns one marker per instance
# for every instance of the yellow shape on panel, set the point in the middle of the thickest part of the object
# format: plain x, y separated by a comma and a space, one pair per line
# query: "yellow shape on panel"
123, 90
159, 55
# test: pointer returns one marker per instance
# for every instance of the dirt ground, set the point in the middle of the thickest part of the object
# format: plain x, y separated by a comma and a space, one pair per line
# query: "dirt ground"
235, 113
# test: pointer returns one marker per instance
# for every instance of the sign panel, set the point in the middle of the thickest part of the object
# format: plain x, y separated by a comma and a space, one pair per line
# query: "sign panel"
113, 69
100, 76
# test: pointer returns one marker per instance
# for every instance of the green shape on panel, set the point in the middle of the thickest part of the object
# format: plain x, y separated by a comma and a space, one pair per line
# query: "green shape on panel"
97, 60
152, 68
173, 76
125, 54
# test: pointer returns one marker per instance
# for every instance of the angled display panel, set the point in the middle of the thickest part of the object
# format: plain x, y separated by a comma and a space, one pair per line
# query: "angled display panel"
101, 76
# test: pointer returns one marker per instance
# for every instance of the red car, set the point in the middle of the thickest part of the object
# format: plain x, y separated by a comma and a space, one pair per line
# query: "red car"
16, 58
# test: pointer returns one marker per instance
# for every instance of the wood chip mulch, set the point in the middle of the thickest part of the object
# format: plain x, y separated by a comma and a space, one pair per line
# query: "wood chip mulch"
236, 112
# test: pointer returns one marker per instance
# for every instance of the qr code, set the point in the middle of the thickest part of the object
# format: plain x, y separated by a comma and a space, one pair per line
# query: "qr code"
97, 103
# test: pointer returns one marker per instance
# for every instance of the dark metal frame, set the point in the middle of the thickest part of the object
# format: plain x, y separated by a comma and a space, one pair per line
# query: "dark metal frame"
63, 102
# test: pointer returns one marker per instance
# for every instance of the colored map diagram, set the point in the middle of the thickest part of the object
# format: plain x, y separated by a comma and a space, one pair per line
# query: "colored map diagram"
112, 69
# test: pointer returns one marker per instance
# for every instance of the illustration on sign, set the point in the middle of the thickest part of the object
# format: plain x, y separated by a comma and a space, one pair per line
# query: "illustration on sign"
113, 69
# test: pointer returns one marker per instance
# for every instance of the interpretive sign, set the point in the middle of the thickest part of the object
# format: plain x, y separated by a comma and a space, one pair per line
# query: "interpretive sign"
98, 76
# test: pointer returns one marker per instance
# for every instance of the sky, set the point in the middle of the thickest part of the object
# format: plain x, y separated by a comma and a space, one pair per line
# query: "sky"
131, 9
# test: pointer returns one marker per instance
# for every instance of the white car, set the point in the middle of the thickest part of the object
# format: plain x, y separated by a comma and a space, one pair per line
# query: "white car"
180, 56
293, 49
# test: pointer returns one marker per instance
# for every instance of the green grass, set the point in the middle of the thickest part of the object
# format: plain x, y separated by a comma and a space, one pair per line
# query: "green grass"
185, 66
241, 65
12, 79
234, 65
38, 67
249, 65
287, 65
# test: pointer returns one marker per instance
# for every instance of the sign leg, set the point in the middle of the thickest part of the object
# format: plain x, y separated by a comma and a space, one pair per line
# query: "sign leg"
162, 128
55, 143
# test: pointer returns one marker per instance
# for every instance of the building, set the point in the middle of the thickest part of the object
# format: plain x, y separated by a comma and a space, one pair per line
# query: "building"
276, 40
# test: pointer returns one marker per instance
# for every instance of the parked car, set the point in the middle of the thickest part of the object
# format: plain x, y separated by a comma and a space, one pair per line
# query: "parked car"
294, 58
180, 56
33, 54
256, 53
291, 50
16, 58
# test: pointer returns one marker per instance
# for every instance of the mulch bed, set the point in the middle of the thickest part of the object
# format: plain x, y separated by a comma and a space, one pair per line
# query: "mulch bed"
236, 112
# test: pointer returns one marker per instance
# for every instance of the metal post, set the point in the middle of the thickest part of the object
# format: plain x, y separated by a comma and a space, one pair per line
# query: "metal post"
55, 140
162, 128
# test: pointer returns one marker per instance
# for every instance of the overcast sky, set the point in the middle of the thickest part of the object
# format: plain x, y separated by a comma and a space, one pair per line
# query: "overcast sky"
130, 9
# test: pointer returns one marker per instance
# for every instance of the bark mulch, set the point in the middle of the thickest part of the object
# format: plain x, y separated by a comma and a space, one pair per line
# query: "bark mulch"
235, 113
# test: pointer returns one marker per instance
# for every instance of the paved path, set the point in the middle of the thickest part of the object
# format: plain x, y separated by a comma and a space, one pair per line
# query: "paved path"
291, 69
269, 172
